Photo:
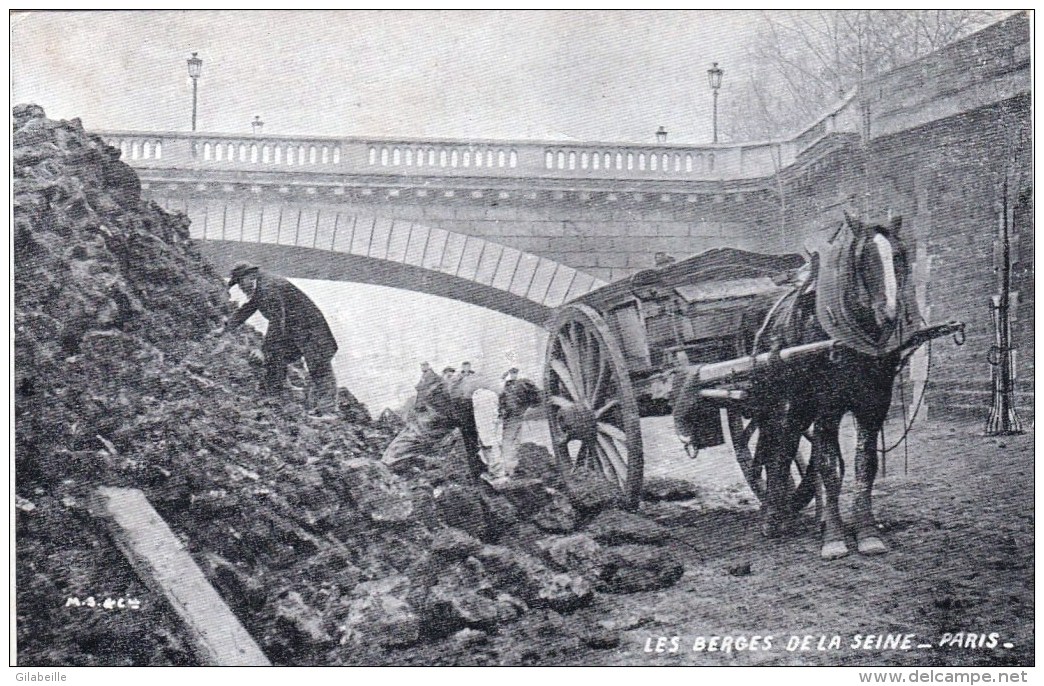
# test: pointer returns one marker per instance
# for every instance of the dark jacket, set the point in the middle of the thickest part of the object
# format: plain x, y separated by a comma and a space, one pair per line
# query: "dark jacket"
295, 324
429, 380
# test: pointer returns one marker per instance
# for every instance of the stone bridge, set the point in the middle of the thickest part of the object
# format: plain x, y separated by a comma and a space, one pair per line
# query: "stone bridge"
523, 226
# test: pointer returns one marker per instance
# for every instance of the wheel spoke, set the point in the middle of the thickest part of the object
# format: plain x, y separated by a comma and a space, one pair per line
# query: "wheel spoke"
614, 460
612, 431
559, 401
583, 455
572, 360
603, 365
605, 408
566, 377
747, 432
591, 354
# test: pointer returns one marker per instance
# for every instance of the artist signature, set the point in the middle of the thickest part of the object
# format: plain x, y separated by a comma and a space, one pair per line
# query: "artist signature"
106, 604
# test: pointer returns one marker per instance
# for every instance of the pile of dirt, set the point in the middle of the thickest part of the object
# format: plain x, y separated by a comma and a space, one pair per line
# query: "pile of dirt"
325, 555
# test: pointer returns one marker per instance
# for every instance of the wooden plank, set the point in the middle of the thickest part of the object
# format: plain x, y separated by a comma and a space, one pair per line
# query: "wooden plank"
165, 566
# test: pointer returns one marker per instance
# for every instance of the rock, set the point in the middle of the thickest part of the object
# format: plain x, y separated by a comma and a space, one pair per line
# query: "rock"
660, 488
501, 514
452, 545
244, 593
376, 491
469, 639
23, 112
634, 568
332, 568
590, 493
461, 507
526, 577
614, 527
528, 496
390, 421
509, 570
509, 608
561, 592
300, 624
578, 553
350, 409
600, 637
536, 462
742, 569
380, 615
121, 181
451, 607
557, 516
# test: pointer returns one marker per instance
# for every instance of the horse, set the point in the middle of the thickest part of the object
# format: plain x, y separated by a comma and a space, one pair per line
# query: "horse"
858, 292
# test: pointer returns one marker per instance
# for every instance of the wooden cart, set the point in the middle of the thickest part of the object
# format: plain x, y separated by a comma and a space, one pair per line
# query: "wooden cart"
626, 350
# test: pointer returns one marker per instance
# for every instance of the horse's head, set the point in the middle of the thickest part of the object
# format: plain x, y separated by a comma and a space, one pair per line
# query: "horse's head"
880, 269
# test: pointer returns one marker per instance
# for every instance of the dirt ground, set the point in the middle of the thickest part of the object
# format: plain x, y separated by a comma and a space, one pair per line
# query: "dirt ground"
959, 524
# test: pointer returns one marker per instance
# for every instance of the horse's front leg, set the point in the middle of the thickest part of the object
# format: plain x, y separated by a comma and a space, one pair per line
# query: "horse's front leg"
781, 437
869, 541
827, 458
768, 454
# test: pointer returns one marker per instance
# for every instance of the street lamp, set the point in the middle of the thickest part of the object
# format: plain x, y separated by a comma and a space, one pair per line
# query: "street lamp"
257, 124
195, 67
1004, 418
661, 135
714, 78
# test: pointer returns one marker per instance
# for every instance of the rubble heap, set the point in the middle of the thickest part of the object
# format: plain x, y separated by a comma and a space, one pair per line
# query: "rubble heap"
325, 555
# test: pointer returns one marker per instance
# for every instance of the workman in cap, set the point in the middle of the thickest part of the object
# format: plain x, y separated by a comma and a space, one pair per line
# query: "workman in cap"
296, 328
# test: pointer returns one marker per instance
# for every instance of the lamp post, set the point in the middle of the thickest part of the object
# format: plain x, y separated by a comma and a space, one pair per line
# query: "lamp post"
257, 124
195, 67
1004, 418
661, 135
714, 78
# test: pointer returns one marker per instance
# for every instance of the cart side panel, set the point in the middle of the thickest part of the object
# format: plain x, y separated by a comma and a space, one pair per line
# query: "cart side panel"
628, 326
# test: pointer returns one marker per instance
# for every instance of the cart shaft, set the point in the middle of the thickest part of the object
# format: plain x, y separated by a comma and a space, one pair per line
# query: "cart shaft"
714, 372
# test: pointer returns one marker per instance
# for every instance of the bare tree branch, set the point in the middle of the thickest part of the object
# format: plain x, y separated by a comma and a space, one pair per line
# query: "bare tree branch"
807, 58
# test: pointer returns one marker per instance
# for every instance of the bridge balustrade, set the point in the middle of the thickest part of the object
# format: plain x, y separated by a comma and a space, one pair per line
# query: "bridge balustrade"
400, 157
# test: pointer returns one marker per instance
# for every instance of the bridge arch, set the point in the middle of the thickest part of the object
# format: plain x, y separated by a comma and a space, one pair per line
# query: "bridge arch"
331, 244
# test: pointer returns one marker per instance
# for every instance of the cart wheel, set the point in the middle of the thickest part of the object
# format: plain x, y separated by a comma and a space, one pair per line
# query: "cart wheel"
744, 433
591, 405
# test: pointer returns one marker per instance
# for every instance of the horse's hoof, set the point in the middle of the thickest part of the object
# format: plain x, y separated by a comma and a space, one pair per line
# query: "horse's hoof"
833, 550
871, 545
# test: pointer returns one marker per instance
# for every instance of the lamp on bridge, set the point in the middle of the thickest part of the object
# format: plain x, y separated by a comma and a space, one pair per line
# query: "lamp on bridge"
195, 68
661, 135
714, 78
257, 124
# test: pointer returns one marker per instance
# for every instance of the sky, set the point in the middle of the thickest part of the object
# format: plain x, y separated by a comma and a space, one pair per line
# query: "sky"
584, 75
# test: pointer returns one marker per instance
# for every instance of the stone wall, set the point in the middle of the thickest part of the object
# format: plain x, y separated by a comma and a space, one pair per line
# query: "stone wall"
945, 180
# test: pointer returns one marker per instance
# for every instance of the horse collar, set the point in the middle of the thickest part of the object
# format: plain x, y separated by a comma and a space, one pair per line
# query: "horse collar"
838, 274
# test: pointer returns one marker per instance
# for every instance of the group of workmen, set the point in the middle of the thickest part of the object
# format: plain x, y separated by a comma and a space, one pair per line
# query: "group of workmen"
487, 412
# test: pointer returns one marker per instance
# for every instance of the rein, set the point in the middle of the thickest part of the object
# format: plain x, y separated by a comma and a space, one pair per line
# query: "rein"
917, 406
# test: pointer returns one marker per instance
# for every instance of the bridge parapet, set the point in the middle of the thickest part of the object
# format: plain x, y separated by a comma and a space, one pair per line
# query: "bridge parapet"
404, 157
